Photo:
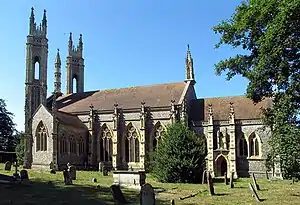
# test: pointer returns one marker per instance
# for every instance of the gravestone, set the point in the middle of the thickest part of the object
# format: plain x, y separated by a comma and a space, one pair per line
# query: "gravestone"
117, 194
172, 202
24, 174
67, 177
94, 180
231, 180
16, 175
267, 175
225, 179
51, 165
254, 194
72, 170
101, 165
147, 195
7, 166
254, 182
105, 171
210, 184
204, 177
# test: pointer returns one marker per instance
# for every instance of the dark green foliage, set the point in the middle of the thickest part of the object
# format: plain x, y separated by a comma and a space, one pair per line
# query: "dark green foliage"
20, 147
269, 33
180, 155
7, 128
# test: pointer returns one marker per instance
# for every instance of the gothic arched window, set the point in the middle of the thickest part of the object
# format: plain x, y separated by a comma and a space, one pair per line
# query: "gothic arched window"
254, 145
159, 131
63, 144
72, 144
41, 137
81, 145
243, 146
106, 144
132, 145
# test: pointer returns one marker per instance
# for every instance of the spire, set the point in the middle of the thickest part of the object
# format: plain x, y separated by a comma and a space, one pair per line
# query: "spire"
80, 45
57, 74
189, 66
31, 22
70, 47
44, 24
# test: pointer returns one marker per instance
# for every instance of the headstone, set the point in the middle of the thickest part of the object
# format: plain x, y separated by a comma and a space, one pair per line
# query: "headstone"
7, 166
267, 175
101, 165
225, 179
105, 171
147, 195
117, 194
210, 184
94, 180
52, 171
24, 174
51, 165
254, 182
16, 175
231, 180
172, 202
204, 177
72, 170
67, 177
254, 192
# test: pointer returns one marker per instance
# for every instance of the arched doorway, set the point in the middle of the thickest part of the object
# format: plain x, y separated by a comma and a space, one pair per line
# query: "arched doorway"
221, 166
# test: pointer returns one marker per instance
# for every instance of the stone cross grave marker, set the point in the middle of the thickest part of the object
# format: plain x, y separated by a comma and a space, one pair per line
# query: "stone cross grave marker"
254, 182
7, 166
67, 177
24, 174
147, 195
203, 177
72, 170
231, 180
117, 194
210, 184
254, 193
16, 170
225, 179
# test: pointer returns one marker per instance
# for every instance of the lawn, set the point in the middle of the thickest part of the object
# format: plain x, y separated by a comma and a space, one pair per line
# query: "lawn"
84, 191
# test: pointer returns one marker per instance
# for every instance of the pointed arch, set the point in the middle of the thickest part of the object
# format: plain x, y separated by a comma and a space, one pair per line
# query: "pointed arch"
158, 132
221, 165
63, 144
243, 146
41, 136
132, 144
72, 145
81, 145
254, 145
105, 140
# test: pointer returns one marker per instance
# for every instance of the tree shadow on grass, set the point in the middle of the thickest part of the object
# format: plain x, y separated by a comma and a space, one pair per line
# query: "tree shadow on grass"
46, 193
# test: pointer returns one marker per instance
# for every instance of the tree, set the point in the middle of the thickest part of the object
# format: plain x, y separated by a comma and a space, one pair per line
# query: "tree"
179, 156
7, 128
269, 33
20, 148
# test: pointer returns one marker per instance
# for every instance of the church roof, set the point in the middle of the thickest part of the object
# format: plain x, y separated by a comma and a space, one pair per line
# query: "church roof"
158, 95
71, 120
244, 108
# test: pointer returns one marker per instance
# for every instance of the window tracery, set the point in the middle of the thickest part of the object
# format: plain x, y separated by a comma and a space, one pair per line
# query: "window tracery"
41, 138
106, 144
243, 146
81, 145
63, 144
254, 145
72, 145
159, 131
132, 146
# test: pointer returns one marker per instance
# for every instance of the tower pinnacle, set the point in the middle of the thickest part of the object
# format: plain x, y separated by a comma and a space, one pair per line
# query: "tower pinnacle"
189, 67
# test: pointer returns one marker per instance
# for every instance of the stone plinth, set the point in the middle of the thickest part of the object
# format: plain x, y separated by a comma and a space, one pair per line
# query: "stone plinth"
129, 179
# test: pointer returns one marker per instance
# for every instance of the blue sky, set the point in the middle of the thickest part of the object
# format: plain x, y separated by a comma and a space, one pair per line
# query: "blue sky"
126, 43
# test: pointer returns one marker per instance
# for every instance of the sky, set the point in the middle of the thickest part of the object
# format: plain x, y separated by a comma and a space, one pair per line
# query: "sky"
126, 43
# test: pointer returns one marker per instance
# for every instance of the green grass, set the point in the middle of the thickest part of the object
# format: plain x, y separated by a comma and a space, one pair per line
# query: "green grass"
84, 191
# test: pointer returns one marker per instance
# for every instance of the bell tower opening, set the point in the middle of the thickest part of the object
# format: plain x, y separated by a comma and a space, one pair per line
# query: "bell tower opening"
36, 68
75, 84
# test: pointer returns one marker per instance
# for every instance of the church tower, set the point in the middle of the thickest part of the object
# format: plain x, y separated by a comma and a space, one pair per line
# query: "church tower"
36, 76
75, 67
189, 68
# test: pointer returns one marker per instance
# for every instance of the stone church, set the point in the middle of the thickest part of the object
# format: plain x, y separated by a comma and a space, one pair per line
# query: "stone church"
120, 127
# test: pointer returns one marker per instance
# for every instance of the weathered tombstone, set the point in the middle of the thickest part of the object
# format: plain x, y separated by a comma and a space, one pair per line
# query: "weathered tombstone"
147, 195
105, 171
101, 165
210, 184
254, 192
51, 165
231, 180
254, 182
117, 194
267, 175
204, 177
16, 175
67, 177
94, 180
225, 179
24, 174
7, 166
172, 202
72, 170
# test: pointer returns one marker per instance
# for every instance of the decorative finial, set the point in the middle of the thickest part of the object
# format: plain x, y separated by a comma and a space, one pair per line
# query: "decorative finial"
57, 50
188, 46
143, 102
116, 104
231, 107
70, 37
91, 106
172, 101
